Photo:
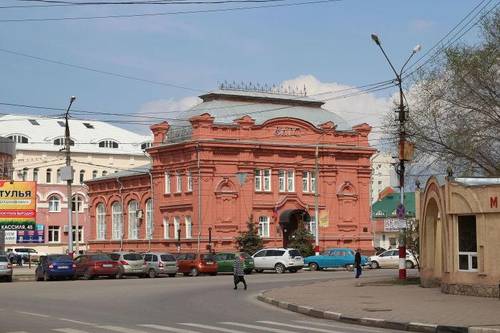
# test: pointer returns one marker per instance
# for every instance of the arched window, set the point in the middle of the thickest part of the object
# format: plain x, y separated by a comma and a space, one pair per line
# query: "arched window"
62, 142
149, 219
35, 174
101, 221
94, 174
133, 225
82, 176
58, 176
18, 138
48, 176
116, 221
146, 145
108, 144
24, 174
104, 173
54, 204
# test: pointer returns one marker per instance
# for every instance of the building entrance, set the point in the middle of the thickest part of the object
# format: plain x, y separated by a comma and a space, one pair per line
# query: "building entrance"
289, 221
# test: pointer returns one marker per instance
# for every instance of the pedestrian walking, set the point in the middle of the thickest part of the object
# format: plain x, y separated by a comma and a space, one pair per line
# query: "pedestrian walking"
238, 271
357, 264
11, 257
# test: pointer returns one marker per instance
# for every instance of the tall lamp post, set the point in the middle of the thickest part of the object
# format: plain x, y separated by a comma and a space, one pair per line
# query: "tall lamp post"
67, 175
402, 158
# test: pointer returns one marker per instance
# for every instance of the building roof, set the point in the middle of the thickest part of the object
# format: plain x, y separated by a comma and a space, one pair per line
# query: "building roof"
477, 181
387, 206
137, 171
41, 133
227, 105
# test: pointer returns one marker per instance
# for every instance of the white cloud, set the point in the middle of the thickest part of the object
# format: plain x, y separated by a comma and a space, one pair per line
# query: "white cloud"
168, 108
421, 25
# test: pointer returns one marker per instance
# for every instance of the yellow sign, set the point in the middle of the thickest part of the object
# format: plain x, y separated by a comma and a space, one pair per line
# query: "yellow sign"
324, 219
17, 205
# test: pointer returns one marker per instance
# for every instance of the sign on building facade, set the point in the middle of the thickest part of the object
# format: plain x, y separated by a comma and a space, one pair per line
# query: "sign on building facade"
17, 205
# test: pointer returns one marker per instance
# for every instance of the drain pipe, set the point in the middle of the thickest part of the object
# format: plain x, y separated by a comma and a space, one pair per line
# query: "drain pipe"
121, 219
199, 195
151, 227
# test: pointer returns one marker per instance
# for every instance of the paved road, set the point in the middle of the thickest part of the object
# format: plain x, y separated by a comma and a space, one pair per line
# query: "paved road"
181, 304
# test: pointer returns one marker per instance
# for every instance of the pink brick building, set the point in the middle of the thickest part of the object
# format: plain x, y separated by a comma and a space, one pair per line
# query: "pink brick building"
237, 156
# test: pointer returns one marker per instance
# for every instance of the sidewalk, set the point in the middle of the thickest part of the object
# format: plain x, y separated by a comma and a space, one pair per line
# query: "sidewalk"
378, 302
24, 273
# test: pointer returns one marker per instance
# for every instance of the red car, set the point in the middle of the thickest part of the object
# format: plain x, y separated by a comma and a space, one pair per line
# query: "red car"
95, 264
195, 264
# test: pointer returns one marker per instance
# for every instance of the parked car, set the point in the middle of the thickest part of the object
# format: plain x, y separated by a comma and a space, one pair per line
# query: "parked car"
55, 266
390, 259
379, 250
160, 263
225, 262
95, 264
278, 259
129, 263
5, 268
194, 264
334, 258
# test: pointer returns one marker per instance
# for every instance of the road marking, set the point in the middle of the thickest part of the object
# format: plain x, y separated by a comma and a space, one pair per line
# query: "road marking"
34, 314
77, 322
340, 325
68, 330
309, 328
262, 328
17, 332
213, 328
121, 329
167, 328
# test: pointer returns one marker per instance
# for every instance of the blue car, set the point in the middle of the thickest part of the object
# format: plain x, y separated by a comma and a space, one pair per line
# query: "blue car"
55, 266
333, 258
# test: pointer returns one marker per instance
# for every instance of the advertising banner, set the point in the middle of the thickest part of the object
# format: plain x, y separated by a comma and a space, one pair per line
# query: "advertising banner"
31, 236
324, 219
17, 205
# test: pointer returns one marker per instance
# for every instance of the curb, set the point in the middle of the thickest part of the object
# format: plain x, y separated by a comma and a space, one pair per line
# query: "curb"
23, 278
374, 322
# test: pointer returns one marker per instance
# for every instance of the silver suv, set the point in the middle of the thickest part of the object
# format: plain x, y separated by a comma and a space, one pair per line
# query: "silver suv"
130, 263
278, 259
5, 268
160, 263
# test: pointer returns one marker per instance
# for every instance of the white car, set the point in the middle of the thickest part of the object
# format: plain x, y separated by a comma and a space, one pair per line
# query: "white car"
278, 259
390, 259
26, 253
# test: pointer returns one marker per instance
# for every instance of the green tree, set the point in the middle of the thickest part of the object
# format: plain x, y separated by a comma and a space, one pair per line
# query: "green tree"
249, 241
302, 240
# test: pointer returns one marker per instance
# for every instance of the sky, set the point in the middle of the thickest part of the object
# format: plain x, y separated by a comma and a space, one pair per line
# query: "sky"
324, 46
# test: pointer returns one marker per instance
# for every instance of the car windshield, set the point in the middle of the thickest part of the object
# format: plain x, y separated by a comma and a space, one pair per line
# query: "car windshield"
294, 253
59, 257
207, 257
132, 256
167, 257
114, 256
100, 257
3, 259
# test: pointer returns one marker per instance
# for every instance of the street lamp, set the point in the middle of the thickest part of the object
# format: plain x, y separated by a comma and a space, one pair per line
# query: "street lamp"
402, 138
67, 174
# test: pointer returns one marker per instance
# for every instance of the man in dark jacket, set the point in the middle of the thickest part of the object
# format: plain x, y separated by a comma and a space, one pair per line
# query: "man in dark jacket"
238, 271
357, 264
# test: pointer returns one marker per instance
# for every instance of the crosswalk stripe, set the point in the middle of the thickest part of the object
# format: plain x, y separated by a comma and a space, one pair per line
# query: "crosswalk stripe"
213, 328
308, 328
167, 328
335, 324
262, 328
121, 329
68, 330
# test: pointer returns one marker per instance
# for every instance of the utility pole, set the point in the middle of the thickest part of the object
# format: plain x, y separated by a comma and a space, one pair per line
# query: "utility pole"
316, 201
402, 141
67, 174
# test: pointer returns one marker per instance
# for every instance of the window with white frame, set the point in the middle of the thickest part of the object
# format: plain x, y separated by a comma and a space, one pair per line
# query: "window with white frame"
35, 174
258, 180
313, 182
58, 176
178, 182
94, 174
177, 227
264, 226
101, 221
54, 233
133, 221
116, 221
189, 181
77, 203
80, 233
24, 174
282, 180
467, 243
189, 227
166, 229
290, 181
54, 204
48, 176
306, 176
312, 225
267, 179
167, 182
149, 219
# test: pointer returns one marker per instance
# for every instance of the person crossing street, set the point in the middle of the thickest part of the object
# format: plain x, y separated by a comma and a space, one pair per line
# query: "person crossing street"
239, 272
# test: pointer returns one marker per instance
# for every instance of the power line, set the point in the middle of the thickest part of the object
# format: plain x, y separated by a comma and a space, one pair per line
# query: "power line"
200, 11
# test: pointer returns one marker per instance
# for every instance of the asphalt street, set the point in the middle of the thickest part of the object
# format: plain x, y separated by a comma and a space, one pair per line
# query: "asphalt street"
180, 304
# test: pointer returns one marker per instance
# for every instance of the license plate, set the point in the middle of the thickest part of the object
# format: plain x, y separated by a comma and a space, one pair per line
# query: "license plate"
107, 265
210, 262
63, 267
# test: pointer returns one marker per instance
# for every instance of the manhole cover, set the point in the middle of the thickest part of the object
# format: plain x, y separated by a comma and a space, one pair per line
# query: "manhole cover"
376, 309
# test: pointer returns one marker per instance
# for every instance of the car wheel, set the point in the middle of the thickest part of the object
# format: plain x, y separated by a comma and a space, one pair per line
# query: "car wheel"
293, 270
409, 264
374, 265
46, 276
194, 272
151, 273
349, 267
172, 275
87, 275
313, 266
279, 268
